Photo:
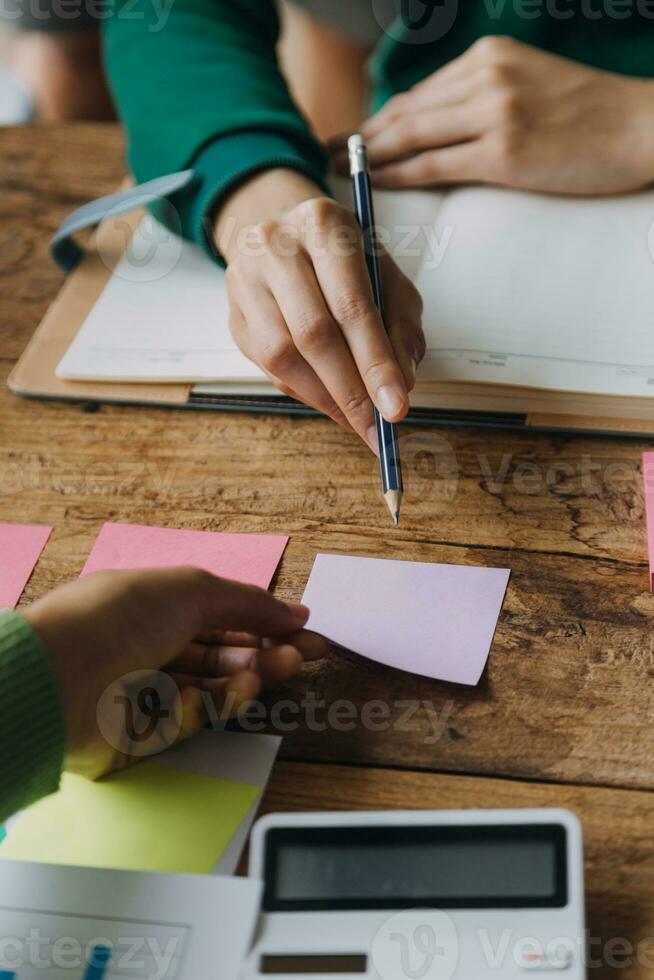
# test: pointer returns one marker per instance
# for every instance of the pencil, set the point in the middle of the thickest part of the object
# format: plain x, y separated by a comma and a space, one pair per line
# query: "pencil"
389, 453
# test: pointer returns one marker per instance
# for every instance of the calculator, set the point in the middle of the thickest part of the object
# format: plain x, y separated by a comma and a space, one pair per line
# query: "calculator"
419, 895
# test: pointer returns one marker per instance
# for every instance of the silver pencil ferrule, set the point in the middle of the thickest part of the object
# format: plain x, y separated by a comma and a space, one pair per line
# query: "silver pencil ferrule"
358, 154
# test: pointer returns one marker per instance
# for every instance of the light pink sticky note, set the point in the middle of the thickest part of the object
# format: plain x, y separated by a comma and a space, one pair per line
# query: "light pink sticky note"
249, 558
434, 620
648, 479
20, 547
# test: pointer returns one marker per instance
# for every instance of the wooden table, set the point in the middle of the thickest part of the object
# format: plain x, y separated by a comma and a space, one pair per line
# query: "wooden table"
564, 715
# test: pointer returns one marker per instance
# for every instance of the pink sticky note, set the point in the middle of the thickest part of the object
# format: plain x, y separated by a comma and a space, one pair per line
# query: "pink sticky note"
249, 558
648, 479
20, 547
434, 620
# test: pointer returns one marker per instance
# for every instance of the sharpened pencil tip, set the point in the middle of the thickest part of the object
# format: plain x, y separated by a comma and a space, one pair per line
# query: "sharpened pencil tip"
393, 499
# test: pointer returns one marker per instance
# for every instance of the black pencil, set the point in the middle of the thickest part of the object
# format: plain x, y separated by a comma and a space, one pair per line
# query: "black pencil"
389, 453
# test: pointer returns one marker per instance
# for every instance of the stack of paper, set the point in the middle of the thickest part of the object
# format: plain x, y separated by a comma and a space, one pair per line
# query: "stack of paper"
188, 810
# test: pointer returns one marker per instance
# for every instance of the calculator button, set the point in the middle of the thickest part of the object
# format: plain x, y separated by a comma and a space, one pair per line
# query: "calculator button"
560, 960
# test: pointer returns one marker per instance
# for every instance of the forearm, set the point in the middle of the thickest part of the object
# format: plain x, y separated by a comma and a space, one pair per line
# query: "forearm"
265, 196
33, 740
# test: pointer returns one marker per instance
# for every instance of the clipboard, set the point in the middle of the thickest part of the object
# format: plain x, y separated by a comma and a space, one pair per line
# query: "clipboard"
34, 375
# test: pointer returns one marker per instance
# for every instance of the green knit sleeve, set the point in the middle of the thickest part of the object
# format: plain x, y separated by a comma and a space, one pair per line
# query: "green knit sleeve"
33, 741
197, 84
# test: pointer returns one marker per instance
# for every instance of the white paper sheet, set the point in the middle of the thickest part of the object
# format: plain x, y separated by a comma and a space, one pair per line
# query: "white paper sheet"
158, 927
163, 316
543, 292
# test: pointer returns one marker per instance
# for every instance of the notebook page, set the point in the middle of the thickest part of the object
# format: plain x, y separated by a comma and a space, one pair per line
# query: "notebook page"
543, 292
164, 314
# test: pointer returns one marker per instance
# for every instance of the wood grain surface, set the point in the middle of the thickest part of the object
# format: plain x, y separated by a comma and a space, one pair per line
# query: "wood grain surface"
567, 696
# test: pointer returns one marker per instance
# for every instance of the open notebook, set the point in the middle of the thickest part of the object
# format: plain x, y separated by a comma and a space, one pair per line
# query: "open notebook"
532, 304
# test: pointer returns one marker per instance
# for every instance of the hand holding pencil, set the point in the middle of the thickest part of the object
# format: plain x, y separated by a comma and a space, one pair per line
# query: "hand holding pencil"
302, 307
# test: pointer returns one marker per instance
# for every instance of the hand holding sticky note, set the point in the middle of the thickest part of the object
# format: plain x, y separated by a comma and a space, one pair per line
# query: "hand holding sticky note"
434, 620
186, 810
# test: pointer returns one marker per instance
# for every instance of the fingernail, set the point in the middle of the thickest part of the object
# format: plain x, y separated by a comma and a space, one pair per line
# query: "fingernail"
413, 367
389, 401
300, 612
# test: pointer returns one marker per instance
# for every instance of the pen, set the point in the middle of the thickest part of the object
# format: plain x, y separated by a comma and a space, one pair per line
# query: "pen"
389, 453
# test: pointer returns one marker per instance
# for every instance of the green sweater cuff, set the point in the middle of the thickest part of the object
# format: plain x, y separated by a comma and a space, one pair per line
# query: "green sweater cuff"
219, 168
33, 742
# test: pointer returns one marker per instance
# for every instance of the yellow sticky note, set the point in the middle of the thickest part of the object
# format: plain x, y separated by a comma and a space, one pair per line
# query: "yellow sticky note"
148, 818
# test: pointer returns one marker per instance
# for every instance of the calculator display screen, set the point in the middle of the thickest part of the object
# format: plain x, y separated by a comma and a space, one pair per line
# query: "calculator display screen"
521, 866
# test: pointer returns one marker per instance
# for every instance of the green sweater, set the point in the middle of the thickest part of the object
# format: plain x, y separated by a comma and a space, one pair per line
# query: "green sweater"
202, 87
33, 739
